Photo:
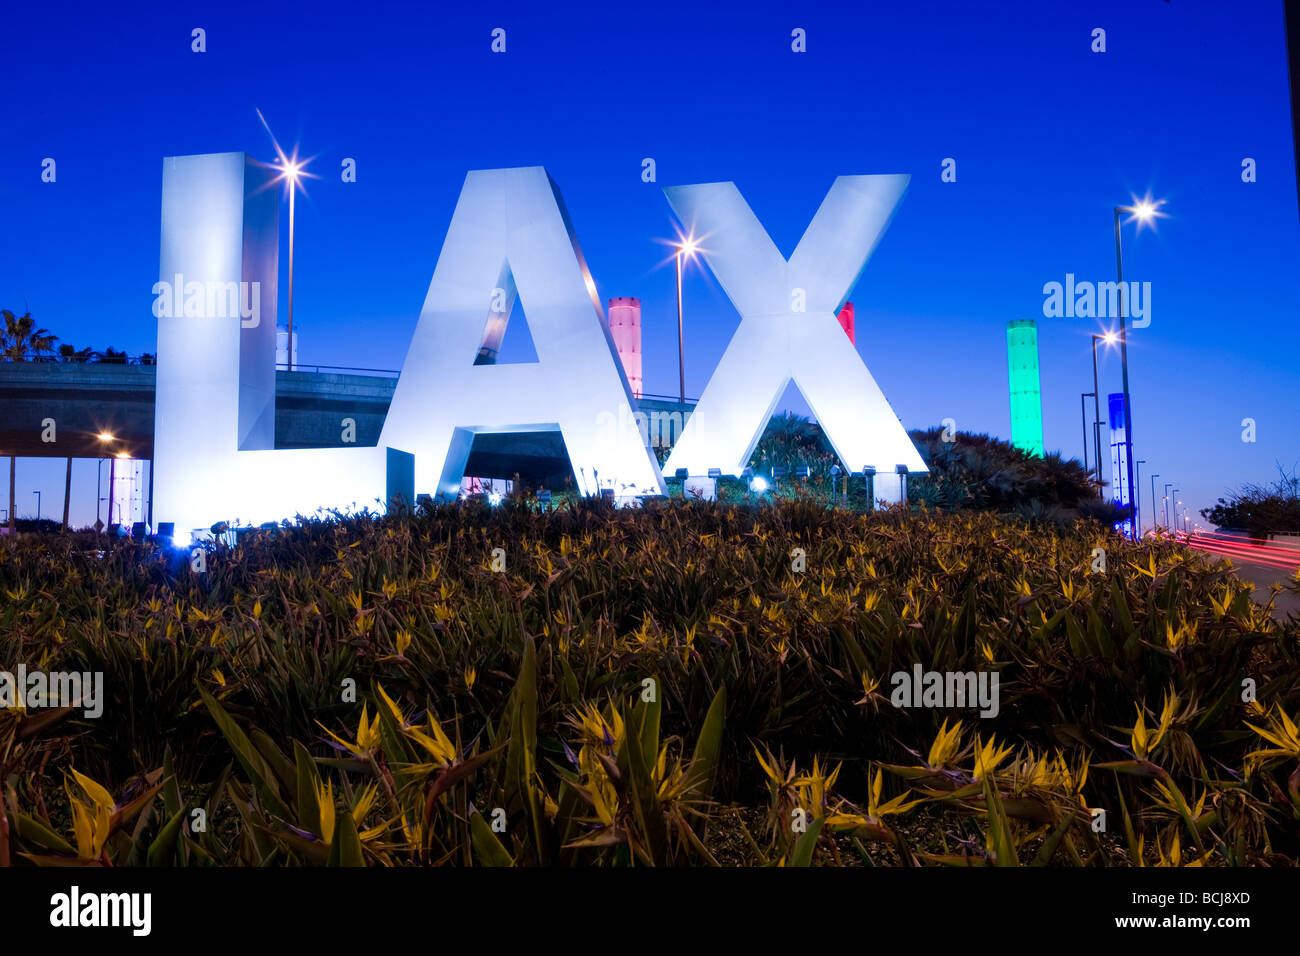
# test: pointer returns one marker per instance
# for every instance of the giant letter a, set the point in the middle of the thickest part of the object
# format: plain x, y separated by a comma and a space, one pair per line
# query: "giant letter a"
511, 235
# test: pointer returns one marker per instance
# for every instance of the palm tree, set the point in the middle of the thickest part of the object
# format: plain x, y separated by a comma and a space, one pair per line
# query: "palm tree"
70, 353
21, 341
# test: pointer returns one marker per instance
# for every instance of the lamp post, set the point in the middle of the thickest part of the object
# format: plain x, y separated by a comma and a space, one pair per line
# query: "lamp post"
687, 246
1168, 485
38, 505
1109, 339
1173, 496
1144, 212
125, 458
1154, 521
1137, 497
291, 171
104, 439
112, 480
1083, 419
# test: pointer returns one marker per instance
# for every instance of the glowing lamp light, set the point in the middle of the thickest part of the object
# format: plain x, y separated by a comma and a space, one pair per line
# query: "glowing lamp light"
689, 245
105, 436
759, 484
122, 454
1145, 211
494, 498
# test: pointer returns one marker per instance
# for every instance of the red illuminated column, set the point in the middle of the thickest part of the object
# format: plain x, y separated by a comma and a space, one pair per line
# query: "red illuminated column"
625, 328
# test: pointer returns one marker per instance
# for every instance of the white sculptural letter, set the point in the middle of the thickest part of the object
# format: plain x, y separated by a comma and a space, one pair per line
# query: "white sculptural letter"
511, 236
789, 331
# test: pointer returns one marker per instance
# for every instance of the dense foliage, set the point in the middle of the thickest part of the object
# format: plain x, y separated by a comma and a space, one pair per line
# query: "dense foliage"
672, 685
966, 471
1261, 509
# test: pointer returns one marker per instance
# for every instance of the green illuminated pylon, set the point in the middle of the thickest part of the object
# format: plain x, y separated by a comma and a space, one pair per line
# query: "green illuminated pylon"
1026, 398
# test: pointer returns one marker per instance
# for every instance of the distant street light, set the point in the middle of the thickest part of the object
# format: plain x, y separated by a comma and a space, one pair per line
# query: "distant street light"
1155, 524
1137, 497
38, 504
1083, 418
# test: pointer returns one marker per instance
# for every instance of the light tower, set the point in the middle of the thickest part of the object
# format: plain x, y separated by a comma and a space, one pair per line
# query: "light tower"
1026, 396
625, 329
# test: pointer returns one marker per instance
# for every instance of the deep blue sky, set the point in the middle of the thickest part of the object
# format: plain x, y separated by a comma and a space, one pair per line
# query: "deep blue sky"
1047, 135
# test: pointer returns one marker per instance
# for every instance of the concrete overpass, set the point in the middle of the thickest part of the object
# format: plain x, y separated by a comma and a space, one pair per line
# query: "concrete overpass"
313, 404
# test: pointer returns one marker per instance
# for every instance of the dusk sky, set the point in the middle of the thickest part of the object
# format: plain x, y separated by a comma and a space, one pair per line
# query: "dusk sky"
1047, 136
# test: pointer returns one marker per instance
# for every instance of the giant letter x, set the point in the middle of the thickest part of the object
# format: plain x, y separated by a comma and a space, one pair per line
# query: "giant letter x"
776, 342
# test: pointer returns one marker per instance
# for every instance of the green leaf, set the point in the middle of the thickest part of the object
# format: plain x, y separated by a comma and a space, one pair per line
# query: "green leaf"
487, 848
259, 772
650, 714
704, 761
346, 848
308, 782
1119, 604
645, 799
1004, 848
162, 849
803, 850
1135, 855
30, 828
569, 683
277, 761
1048, 849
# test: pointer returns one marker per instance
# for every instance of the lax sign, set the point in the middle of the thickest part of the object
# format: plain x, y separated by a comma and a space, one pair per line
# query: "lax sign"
510, 239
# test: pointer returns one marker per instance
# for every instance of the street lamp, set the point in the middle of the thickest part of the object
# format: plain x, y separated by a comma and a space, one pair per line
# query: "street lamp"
687, 247
104, 439
1109, 339
38, 505
112, 482
1137, 497
1168, 485
291, 171
1145, 212
1083, 419
1155, 524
